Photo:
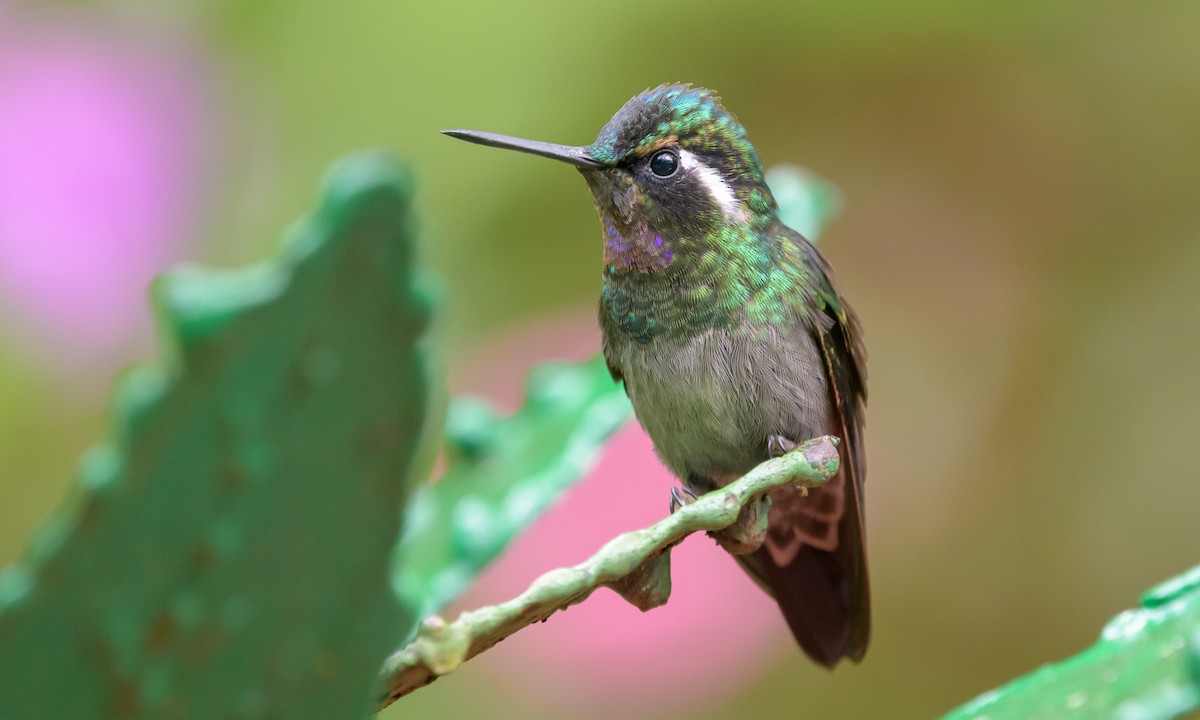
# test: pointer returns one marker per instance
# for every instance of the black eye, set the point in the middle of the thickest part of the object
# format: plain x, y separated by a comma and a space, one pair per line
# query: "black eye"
664, 163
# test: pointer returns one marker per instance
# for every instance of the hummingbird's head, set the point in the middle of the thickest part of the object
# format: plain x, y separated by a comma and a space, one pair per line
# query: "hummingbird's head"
672, 173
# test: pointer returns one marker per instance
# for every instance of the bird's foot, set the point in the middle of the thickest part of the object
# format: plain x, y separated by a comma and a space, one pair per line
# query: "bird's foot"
681, 496
778, 445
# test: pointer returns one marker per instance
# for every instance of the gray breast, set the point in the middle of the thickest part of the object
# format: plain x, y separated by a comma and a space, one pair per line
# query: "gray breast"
710, 401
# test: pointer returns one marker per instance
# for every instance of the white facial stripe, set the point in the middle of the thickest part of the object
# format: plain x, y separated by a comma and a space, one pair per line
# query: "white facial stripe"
717, 188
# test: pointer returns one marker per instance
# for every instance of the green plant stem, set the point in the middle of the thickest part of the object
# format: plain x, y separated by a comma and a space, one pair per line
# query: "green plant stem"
635, 564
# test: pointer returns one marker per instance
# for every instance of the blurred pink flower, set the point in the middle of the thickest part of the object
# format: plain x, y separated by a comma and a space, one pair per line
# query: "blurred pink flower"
718, 630
99, 161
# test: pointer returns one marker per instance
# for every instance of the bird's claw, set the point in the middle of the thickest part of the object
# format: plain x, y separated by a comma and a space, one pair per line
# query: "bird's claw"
680, 497
778, 445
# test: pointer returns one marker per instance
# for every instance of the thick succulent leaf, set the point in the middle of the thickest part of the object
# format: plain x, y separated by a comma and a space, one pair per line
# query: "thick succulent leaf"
502, 474
1146, 666
806, 202
227, 553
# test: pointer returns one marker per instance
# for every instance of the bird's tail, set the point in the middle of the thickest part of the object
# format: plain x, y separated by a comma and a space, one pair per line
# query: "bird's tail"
814, 564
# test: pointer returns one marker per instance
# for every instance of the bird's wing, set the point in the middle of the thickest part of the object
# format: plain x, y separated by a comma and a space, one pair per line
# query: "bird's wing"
614, 366
814, 559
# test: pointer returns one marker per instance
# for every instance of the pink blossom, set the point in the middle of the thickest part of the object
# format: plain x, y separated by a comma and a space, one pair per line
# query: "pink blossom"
98, 177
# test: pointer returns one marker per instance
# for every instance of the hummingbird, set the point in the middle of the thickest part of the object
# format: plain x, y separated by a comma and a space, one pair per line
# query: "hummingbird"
732, 340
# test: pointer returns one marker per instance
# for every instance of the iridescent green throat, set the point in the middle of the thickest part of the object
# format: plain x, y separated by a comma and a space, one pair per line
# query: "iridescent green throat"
739, 275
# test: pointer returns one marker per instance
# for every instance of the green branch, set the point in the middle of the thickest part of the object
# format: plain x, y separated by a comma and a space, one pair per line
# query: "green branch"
636, 565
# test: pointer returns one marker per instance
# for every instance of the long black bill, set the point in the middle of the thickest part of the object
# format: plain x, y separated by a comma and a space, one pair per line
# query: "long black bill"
576, 156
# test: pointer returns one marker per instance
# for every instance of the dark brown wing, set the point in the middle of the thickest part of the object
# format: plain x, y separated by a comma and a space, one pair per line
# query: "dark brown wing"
814, 561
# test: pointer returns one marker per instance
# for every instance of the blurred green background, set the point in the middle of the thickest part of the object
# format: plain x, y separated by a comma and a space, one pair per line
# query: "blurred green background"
1019, 237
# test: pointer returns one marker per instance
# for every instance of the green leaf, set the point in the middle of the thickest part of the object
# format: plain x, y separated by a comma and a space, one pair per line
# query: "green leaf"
1146, 666
227, 552
806, 202
502, 474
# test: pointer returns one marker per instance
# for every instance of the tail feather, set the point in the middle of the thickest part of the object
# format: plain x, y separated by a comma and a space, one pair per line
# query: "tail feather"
822, 593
